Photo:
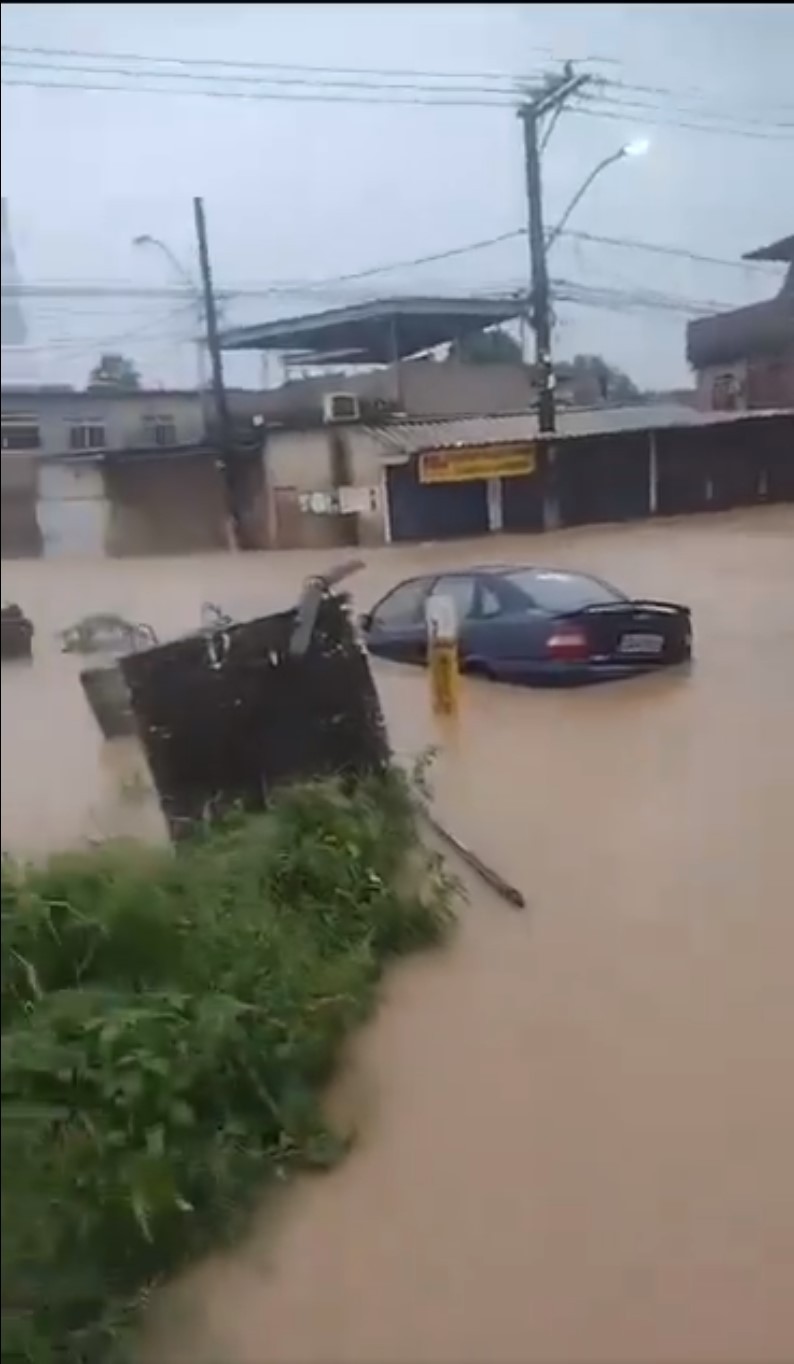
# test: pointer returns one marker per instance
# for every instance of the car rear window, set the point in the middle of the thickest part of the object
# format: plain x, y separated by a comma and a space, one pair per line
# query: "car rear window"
559, 592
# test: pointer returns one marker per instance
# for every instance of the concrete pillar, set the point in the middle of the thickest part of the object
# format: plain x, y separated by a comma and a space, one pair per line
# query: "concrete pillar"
495, 508
653, 474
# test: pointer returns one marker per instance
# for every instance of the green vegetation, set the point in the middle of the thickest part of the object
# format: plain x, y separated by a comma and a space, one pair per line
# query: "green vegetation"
169, 1022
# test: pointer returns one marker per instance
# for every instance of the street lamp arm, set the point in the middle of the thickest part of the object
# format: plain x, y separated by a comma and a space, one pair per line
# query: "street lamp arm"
176, 265
581, 192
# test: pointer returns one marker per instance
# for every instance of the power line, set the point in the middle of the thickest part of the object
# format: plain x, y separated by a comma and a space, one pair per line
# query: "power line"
634, 244
225, 78
382, 97
615, 299
609, 112
690, 93
482, 245
718, 117
64, 346
109, 288
385, 101
306, 287
204, 62
281, 96
508, 79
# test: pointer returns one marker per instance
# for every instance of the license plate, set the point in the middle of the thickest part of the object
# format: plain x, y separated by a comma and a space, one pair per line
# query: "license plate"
642, 644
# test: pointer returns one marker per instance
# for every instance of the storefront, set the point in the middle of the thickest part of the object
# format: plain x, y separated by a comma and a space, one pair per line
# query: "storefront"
454, 492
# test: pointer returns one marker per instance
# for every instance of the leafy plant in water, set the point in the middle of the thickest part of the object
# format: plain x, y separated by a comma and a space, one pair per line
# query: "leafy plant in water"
169, 1020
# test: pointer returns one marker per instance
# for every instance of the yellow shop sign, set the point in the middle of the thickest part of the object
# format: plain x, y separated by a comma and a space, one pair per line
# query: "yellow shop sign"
476, 461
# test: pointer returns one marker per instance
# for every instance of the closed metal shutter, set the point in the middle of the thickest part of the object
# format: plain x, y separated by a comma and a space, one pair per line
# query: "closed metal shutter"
419, 511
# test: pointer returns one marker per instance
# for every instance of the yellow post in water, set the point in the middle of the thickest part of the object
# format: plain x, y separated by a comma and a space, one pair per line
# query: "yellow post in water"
442, 656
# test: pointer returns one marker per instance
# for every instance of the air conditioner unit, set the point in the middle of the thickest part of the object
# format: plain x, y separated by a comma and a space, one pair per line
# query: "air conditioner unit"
341, 407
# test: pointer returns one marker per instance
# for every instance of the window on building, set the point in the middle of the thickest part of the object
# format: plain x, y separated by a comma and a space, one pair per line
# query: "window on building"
20, 431
87, 435
159, 430
726, 392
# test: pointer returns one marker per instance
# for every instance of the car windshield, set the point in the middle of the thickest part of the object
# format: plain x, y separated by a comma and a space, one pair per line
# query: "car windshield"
561, 592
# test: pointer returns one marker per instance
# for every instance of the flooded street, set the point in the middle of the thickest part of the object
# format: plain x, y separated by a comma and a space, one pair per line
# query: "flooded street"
575, 1126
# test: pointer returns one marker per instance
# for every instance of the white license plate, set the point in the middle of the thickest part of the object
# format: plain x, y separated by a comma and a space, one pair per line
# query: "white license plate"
642, 644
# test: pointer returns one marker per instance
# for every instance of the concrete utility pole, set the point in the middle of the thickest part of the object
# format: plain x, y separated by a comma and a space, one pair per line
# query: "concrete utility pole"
226, 440
546, 101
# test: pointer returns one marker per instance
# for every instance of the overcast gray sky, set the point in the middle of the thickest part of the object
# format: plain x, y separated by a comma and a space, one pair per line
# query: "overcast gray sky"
320, 189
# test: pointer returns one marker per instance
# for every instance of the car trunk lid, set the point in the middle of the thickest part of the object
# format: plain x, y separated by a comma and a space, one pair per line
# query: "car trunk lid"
635, 631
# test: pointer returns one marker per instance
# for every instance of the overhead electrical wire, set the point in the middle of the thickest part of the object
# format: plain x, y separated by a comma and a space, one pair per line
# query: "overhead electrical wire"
255, 288
385, 71
385, 101
320, 84
315, 82
716, 117
629, 299
433, 258
151, 331
709, 117
690, 93
508, 79
107, 286
634, 244
610, 111
280, 96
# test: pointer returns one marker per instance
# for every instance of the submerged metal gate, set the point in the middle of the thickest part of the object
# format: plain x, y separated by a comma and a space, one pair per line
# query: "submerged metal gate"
434, 511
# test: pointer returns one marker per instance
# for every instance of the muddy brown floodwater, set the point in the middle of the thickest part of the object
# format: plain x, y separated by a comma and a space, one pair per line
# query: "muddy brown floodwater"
576, 1125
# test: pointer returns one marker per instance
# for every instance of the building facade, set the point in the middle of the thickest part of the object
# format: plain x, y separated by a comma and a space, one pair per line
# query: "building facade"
363, 483
104, 471
744, 359
67, 422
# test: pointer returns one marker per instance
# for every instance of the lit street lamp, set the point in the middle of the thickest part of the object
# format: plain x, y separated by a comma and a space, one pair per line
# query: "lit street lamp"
638, 147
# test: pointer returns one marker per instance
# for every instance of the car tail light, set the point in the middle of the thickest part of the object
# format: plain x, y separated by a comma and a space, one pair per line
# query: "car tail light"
569, 644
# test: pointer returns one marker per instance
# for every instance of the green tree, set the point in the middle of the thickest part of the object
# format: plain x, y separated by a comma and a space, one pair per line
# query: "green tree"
495, 347
114, 371
612, 384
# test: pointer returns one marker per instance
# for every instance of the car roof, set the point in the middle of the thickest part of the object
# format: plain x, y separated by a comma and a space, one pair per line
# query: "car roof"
509, 568
494, 569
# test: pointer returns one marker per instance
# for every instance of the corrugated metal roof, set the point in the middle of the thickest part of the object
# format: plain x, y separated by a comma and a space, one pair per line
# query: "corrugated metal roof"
410, 437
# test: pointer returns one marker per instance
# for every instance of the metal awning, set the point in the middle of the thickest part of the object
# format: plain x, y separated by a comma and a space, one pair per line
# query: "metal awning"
378, 332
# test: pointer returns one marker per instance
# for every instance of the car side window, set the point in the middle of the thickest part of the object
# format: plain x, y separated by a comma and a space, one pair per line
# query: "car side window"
490, 602
402, 607
461, 590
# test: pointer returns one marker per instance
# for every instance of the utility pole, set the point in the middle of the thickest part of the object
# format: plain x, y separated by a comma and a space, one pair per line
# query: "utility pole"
228, 461
546, 101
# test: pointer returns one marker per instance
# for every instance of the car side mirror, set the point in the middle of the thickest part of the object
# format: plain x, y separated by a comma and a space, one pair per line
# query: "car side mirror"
365, 621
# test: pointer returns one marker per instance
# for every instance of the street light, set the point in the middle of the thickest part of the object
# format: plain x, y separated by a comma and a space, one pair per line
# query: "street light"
185, 277
637, 147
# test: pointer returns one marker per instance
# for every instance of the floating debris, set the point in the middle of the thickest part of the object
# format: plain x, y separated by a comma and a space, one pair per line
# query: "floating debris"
226, 716
17, 633
213, 617
106, 633
108, 696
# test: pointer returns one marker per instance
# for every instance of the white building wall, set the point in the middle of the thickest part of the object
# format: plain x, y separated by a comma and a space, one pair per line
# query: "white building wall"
72, 511
298, 463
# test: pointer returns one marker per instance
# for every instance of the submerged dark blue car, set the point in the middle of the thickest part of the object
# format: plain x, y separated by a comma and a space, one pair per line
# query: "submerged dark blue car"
534, 625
